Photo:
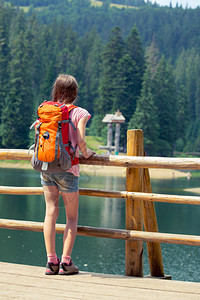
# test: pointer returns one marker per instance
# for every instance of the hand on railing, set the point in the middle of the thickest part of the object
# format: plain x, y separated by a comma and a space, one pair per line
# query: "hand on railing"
90, 153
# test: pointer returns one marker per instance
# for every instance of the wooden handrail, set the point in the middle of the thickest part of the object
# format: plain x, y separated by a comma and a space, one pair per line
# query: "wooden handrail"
194, 200
107, 233
116, 160
143, 162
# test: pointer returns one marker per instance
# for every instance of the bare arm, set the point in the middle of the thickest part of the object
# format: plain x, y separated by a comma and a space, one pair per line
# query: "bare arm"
81, 138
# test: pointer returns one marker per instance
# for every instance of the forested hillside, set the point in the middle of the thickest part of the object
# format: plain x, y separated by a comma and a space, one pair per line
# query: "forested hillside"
142, 60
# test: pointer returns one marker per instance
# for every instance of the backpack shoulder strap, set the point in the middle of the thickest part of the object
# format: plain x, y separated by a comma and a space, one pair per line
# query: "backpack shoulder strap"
70, 107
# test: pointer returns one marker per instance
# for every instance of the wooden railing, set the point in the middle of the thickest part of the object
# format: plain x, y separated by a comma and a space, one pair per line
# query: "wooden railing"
140, 211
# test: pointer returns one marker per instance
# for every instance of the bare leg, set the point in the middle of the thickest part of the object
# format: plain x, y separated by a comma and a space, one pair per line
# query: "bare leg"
51, 195
71, 202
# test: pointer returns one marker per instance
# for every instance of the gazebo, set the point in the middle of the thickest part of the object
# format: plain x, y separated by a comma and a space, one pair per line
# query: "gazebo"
116, 118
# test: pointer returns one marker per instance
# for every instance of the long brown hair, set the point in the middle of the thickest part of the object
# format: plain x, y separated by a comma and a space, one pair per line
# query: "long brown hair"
65, 89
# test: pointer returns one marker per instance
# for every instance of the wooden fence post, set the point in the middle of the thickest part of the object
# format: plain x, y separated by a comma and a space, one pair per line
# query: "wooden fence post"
150, 224
134, 208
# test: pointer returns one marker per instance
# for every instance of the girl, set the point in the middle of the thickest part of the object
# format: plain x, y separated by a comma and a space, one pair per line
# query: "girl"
65, 91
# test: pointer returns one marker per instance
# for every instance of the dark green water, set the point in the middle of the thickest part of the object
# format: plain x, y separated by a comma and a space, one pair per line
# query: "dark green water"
97, 254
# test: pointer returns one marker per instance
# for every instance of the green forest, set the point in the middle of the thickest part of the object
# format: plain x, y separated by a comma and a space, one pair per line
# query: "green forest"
137, 57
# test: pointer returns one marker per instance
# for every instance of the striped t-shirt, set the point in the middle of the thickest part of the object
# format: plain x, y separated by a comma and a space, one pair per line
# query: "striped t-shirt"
76, 115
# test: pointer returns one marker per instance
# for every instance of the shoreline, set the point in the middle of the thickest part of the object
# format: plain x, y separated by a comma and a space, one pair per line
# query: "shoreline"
119, 171
193, 190
106, 170
112, 171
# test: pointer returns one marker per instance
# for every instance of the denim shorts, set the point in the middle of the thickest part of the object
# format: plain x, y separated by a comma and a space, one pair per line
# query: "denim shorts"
66, 182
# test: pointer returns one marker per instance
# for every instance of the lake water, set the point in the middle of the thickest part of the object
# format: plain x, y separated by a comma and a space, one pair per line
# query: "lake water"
97, 254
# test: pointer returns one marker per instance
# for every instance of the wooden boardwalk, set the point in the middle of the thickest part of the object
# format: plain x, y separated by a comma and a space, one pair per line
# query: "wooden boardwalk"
29, 282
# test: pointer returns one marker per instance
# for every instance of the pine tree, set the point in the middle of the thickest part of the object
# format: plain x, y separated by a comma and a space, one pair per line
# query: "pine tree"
182, 117
17, 111
76, 67
46, 87
135, 49
4, 47
47, 57
197, 84
191, 86
6, 15
66, 42
146, 116
164, 93
152, 56
35, 58
187, 74
197, 96
126, 90
93, 74
112, 54
126, 86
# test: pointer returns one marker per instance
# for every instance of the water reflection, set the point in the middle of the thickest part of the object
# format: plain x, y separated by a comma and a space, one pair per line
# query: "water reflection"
96, 254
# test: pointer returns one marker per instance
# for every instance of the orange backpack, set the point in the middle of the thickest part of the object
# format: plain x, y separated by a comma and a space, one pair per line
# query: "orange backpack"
53, 152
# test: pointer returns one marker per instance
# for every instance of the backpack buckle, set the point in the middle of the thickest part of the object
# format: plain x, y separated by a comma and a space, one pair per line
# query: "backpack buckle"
46, 135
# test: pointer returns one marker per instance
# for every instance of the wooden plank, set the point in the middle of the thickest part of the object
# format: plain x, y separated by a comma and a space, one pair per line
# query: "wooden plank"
84, 277
130, 235
150, 224
29, 282
134, 209
117, 160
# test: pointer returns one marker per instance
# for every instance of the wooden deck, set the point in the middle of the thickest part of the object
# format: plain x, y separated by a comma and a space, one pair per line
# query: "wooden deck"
29, 282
